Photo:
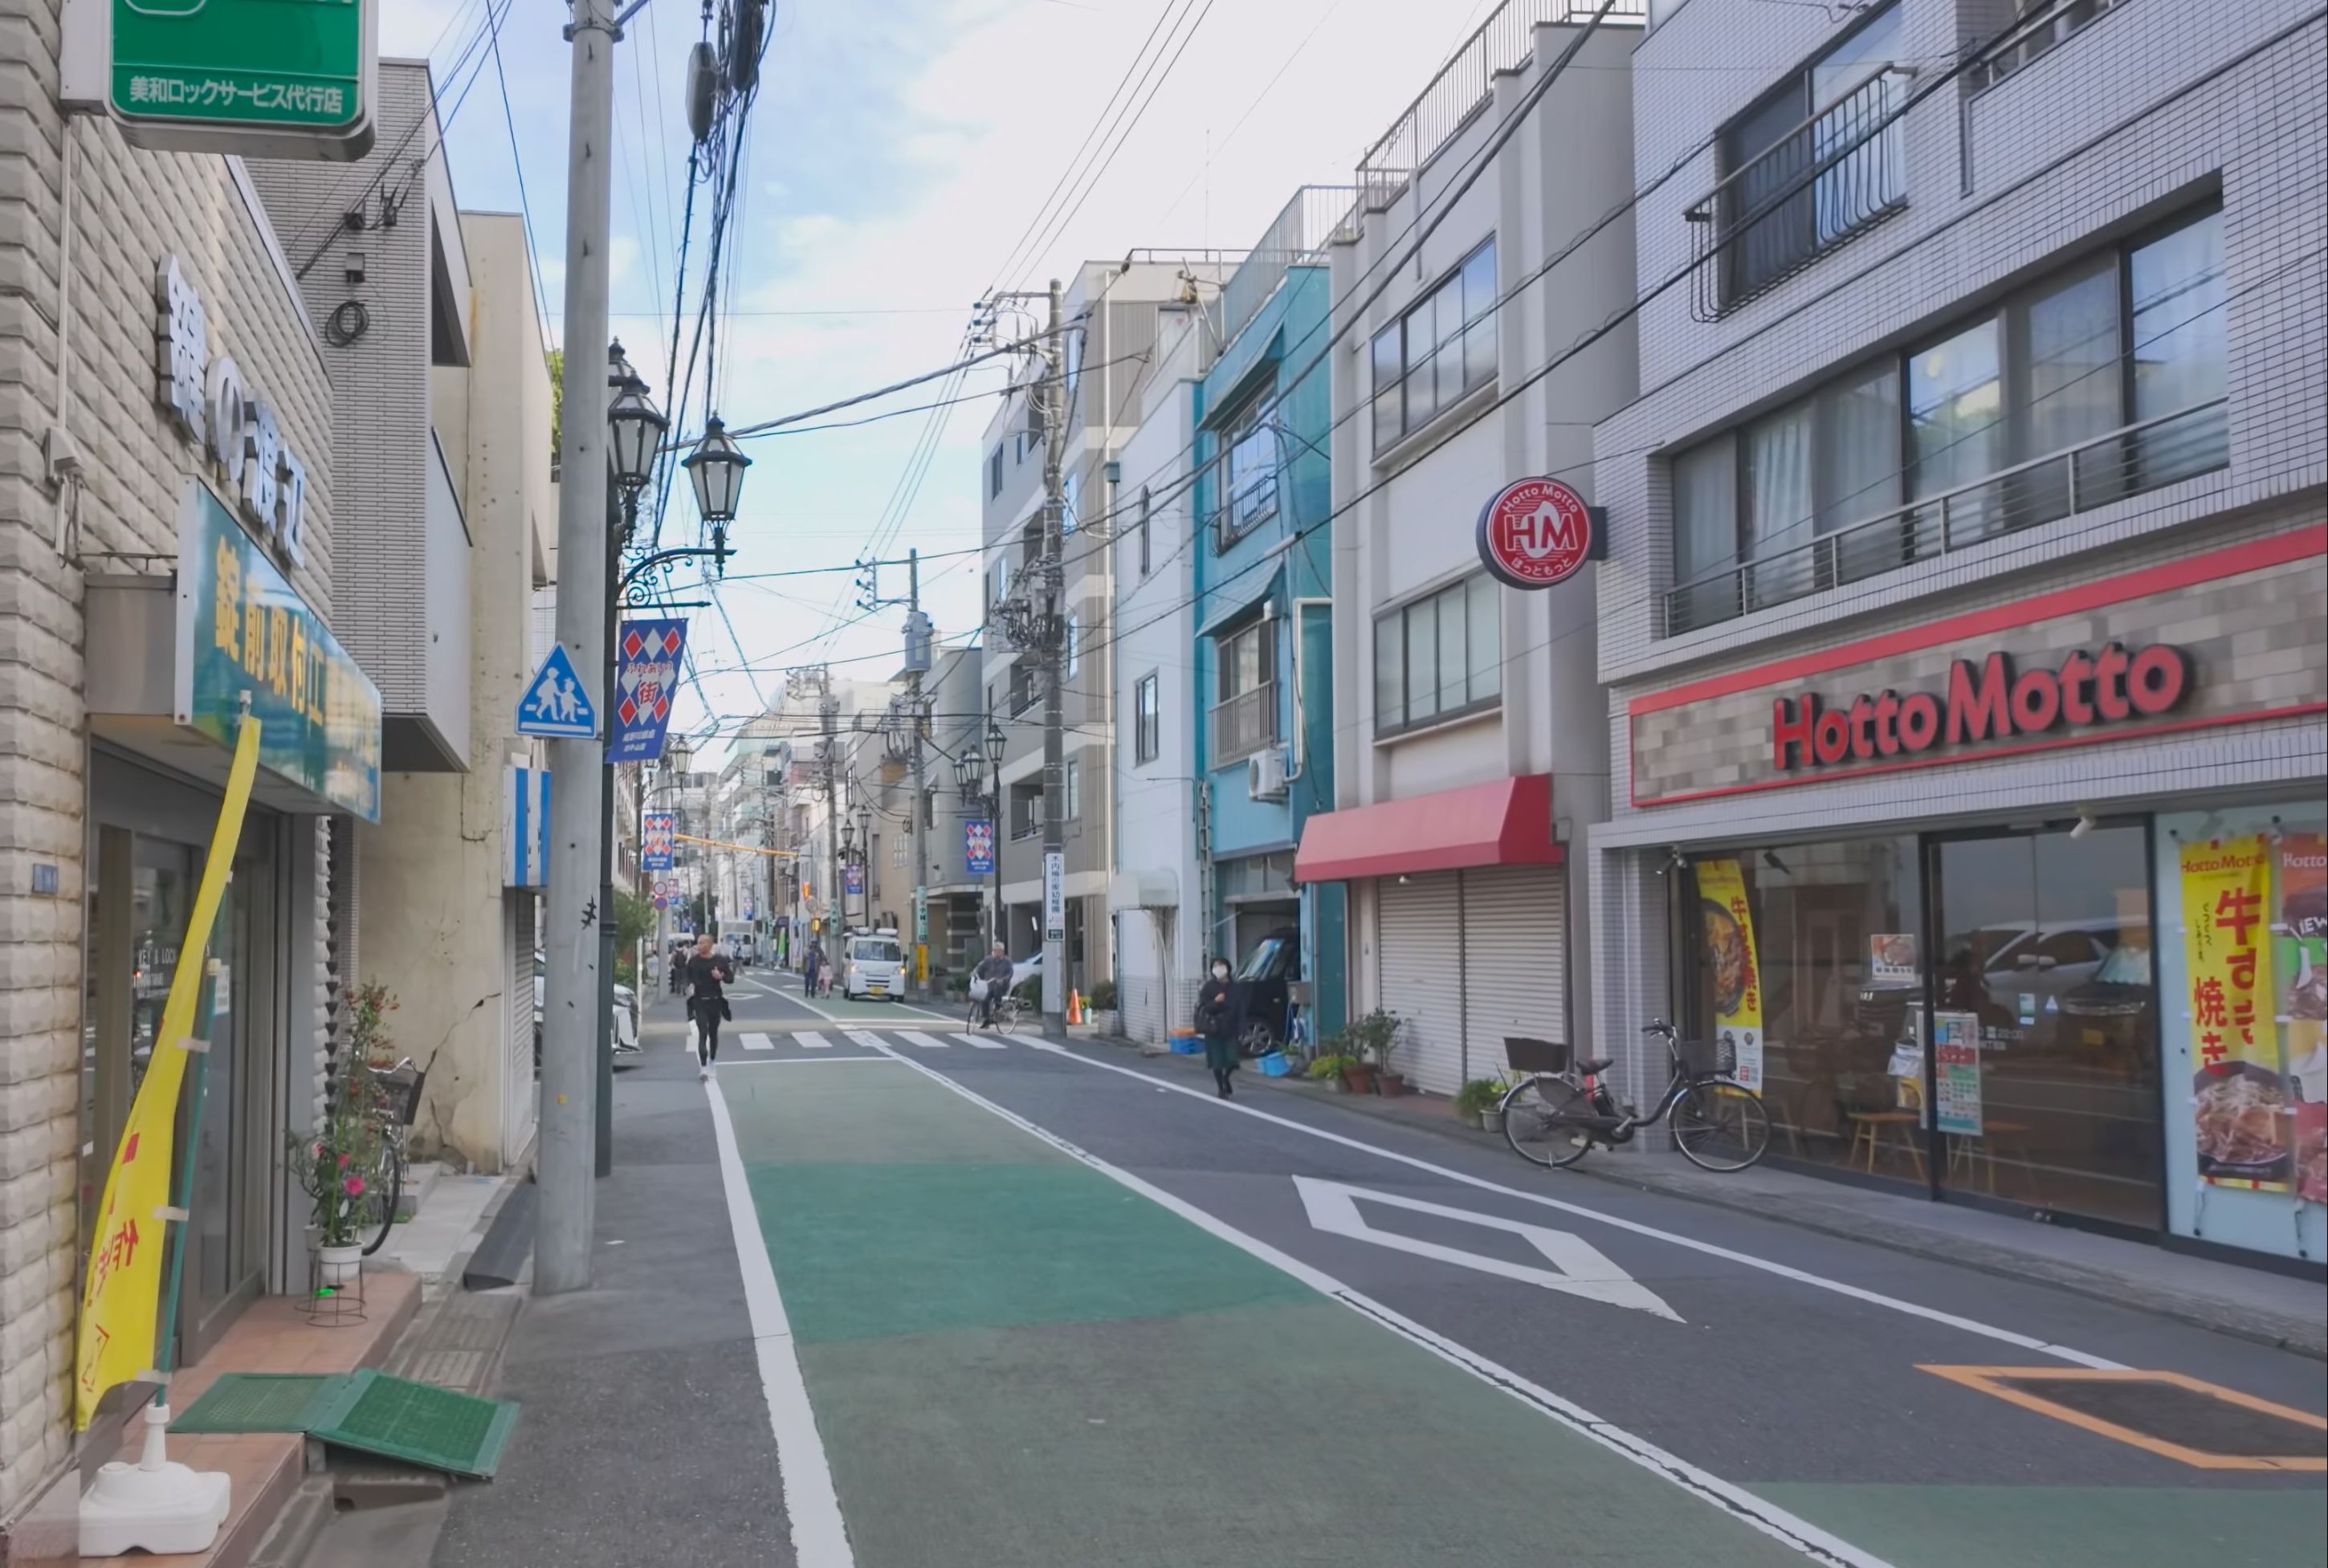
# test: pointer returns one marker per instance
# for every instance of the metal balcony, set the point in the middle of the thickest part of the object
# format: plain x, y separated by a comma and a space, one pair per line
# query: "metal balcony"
1298, 237
2095, 473
1244, 723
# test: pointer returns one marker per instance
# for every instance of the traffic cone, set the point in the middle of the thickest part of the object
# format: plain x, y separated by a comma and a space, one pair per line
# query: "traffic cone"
1074, 1007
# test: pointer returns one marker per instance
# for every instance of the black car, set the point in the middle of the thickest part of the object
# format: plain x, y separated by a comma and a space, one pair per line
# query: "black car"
1258, 992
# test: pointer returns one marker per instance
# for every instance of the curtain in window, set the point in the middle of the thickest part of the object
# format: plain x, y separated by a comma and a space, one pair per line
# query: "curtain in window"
2177, 285
1956, 426
1858, 460
1390, 671
2073, 392
1454, 658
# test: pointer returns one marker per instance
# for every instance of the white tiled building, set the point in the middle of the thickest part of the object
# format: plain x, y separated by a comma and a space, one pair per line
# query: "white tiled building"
1969, 329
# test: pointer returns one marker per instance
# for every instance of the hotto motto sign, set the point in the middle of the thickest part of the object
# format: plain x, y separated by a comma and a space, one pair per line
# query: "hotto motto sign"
1538, 532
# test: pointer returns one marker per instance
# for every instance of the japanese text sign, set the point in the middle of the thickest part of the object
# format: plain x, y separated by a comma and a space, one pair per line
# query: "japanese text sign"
654, 851
2239, 1090
646, 676
1729, 923
978, 847
276, 78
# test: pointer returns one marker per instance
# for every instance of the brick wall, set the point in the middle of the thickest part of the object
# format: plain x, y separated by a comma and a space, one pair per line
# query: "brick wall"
129, 211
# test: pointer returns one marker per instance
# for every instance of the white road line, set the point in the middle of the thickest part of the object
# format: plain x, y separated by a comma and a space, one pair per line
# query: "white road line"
983, 1042
1771, 1520
819, 1537
757, 1043
809, 1039
866, 1037
927, 1042
1784, 1270
806, 1062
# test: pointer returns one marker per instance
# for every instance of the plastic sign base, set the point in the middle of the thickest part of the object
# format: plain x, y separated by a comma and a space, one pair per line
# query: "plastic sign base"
154, 1505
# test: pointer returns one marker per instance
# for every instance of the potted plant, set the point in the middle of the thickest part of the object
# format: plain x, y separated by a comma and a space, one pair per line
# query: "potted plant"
1104, 1008
339, 1163
1328, 1070
1481, 1100
1370, 1040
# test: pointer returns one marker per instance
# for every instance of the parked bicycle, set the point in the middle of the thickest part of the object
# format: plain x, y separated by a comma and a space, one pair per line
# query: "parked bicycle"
399, 1089
1553, 1117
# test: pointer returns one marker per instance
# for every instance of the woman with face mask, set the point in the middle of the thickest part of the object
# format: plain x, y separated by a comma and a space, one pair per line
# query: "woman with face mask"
1216, 1021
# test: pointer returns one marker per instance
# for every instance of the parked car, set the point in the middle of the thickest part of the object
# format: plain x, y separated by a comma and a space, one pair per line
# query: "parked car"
1259, 990
624, 1015
873, 965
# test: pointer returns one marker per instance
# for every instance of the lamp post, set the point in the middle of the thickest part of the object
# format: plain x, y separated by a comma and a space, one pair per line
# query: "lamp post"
978, 774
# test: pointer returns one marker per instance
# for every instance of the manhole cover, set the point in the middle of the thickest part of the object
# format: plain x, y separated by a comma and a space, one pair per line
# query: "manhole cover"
2181, 1418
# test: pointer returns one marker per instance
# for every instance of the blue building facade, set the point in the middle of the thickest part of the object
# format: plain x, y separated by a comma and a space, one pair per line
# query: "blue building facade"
1263, 631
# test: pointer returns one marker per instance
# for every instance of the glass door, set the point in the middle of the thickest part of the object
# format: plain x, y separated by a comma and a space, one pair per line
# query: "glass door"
225, 1257
2043, 1066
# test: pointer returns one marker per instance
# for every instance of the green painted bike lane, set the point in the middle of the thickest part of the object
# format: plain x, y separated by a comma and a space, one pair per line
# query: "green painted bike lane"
1017, 1361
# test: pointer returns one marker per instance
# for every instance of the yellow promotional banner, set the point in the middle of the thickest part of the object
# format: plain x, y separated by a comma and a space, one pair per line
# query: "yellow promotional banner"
1735, 965
121, 1297
2239, 1093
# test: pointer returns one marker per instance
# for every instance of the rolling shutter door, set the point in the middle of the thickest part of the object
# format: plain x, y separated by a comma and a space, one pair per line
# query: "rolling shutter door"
1516, 957
1420, 977
517, 1056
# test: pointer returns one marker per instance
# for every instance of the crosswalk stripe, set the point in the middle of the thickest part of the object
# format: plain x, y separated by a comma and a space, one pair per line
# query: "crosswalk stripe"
866, 1037
811, 1041
759, 1043
983, 1042
915, 1038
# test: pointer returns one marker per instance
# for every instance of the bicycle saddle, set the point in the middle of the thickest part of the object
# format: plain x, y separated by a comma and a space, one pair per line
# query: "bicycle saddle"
1595, 1064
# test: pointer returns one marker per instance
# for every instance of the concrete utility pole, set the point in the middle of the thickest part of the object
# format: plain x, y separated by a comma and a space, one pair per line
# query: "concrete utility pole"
569, 1082
920, 891
836, 900
1053, 590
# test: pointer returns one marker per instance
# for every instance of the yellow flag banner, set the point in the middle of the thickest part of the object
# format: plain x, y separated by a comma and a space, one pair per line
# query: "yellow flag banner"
121, 1297
2238, 1095
1737, 967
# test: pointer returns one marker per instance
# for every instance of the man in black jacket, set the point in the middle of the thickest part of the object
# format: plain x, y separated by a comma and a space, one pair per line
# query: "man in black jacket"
993, 976
707, 974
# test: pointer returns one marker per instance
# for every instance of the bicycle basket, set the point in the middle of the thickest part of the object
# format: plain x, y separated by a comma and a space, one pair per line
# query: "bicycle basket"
1525, 1054
1708, 1058
402, 1091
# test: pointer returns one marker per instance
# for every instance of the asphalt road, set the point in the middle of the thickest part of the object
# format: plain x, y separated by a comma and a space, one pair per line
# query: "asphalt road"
1018, 1304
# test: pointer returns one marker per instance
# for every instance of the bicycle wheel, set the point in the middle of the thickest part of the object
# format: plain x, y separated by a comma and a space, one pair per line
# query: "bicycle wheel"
381, 1197
1538, 1120
1720, 1124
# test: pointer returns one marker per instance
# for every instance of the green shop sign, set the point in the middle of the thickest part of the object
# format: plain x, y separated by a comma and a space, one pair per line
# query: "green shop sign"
242, 628
278, 78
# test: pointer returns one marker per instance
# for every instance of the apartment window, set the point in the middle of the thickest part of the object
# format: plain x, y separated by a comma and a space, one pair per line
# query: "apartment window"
1249, 479
1022, 686
1816, 160
1026, 809
2044, 23
994, 474
1244, 718
1147, 721
1071, 509
1074, 790
1001, 580
1439, 656
1074, 639
2102, 379
1145, 507
1440, 349
1031, 437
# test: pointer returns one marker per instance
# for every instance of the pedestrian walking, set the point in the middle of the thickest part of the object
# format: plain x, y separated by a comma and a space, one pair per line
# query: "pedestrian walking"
810, 966
678, 970
708, 974
1216, 1021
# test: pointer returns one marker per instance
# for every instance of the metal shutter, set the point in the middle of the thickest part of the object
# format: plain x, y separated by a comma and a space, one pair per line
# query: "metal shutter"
1421, 976
1516, 958
517, 1056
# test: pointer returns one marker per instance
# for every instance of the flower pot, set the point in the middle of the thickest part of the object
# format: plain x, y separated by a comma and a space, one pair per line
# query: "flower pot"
338, 1266
1393, 1084
1358, 1080
1491, 1121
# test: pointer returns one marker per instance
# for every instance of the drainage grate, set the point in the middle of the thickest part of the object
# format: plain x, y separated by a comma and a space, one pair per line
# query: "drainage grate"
2199, 1423
260, 1402
415, 1422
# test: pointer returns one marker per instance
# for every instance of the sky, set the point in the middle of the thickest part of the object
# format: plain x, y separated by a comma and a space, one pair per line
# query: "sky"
898, 155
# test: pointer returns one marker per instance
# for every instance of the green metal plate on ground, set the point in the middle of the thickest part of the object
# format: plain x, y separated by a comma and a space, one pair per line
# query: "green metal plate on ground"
419, 1423
262, 1401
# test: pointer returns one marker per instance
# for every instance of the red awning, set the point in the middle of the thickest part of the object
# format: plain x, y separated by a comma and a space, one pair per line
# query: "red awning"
1505, 822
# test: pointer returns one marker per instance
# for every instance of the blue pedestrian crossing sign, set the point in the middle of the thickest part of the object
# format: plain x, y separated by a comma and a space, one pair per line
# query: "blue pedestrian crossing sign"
554, 703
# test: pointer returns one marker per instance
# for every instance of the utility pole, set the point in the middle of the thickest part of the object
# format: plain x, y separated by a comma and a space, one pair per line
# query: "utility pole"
1052, 622
835, 898
563, 1245
919, 716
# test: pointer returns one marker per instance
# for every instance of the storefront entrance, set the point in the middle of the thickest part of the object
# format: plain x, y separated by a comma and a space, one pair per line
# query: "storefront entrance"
1971, 1015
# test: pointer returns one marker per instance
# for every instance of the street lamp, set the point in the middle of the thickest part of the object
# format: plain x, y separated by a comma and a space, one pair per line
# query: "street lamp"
715, 469
996, 743
636, 428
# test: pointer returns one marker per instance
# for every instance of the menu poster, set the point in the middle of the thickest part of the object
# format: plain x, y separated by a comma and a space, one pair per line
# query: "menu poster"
2300, 964
2239, 1093
1892, 959
1956, 1061
1737, 968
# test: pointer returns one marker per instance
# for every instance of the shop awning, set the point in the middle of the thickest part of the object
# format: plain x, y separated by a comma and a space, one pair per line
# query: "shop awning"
1505, 822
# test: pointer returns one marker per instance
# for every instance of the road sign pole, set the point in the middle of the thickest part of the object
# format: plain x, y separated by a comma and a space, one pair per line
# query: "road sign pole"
563, 1245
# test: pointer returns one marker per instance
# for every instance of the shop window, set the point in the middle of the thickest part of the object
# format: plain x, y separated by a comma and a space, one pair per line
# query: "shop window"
1438, 657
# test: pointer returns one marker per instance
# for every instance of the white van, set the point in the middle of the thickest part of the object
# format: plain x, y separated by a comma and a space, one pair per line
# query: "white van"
873, 965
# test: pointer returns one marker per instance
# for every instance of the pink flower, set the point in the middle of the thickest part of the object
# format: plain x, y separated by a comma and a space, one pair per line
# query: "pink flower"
354, 1185
343, 1162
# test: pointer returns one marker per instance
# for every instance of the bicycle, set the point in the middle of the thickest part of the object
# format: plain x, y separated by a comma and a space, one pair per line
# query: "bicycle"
399, 1087
1002, 1014
1552, 1118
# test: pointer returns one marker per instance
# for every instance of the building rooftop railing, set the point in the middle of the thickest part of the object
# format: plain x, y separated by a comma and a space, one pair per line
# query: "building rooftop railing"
1298, 236
1463, 86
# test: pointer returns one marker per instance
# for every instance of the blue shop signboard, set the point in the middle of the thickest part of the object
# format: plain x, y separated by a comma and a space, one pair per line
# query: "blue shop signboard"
242, 627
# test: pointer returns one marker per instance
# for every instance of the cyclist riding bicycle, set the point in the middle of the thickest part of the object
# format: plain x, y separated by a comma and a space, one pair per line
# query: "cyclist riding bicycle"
992, 977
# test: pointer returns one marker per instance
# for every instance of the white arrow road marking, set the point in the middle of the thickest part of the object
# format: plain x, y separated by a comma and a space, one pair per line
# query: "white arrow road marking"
1579, 1268
866, 1037
982, 1042
809, 1039
927, 1042
759, 1043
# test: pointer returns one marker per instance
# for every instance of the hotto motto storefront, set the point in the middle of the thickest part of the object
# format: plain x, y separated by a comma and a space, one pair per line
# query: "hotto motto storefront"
2017, 898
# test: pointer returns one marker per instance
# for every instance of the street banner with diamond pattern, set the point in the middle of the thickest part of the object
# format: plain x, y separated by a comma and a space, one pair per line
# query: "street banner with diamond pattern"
646, 678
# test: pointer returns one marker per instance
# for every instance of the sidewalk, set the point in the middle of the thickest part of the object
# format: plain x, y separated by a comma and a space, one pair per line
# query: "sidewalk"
2255, 1304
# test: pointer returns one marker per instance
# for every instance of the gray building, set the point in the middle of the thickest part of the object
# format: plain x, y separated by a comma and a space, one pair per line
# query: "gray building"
1963, 617
1114, 309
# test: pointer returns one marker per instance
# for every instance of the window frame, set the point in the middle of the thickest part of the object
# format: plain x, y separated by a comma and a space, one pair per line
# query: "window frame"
1471, 590
1250, 426
1072, 776
1426, 303
1147, 719
994, 474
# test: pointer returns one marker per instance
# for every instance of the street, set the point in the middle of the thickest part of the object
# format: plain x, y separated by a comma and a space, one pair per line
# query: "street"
1012, 1302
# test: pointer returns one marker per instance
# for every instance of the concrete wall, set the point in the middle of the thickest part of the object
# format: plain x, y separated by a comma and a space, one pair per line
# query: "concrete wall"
127, 211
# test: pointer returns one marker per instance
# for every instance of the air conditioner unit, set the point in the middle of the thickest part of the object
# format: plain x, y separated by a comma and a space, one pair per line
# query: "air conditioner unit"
1264, 775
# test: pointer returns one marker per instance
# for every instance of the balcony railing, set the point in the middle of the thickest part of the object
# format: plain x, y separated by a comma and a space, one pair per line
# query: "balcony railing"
2095, 473
1463, 86
2043, 24
1244, 723
1298, 237
1828, 180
